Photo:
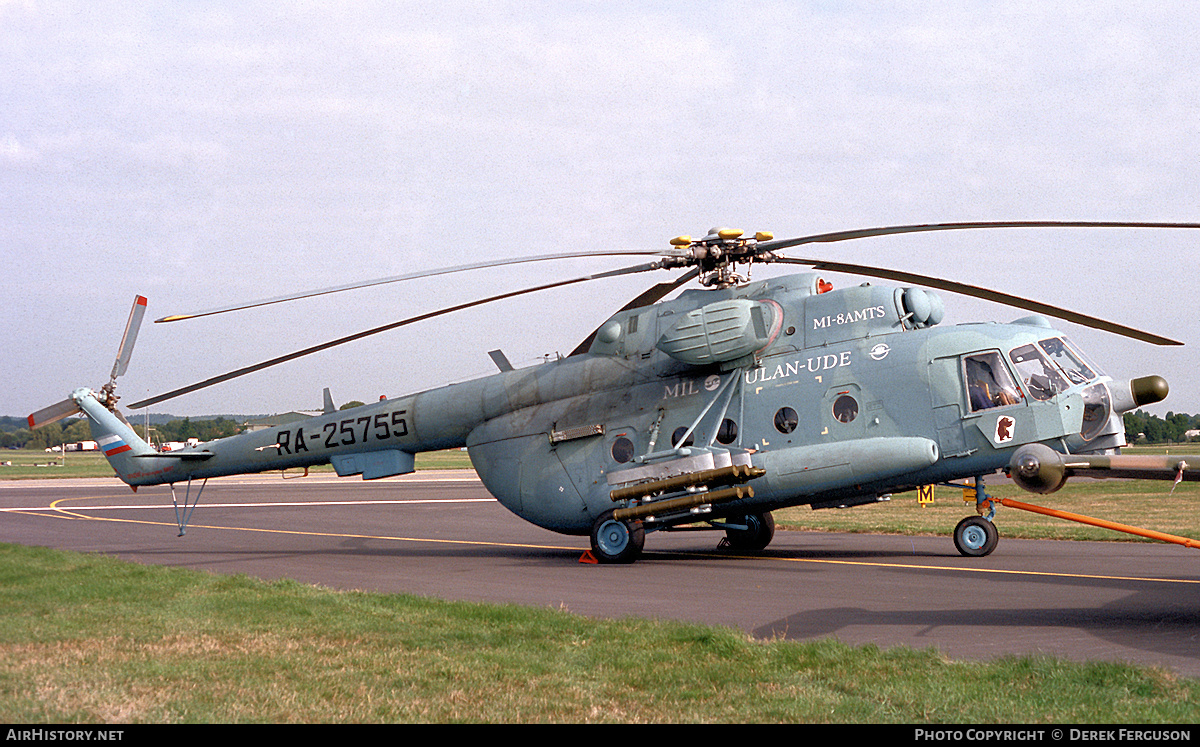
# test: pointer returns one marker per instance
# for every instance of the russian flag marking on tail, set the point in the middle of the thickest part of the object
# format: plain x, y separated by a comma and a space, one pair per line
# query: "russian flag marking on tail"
113, 444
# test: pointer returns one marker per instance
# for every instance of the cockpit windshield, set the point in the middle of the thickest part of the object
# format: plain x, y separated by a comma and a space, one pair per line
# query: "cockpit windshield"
1042, 378
1068, 361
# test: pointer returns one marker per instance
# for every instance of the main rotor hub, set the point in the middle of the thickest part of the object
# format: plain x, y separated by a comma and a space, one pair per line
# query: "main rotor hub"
717, 254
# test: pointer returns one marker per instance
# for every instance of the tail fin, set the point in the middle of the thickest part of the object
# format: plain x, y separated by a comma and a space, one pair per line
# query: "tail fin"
121, 446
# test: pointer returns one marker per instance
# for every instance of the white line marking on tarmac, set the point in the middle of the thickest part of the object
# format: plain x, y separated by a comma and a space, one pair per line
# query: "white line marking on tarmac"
53, 507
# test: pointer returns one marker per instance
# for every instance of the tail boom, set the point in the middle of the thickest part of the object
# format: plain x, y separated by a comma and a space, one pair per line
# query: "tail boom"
346, 438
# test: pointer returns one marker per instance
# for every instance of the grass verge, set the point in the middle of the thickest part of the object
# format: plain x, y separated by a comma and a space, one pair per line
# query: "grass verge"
1141, 503
27, 464
88, 638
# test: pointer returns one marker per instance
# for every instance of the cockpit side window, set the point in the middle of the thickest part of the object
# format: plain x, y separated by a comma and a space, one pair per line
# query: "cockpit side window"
989, 383
1071, 364
1041, 377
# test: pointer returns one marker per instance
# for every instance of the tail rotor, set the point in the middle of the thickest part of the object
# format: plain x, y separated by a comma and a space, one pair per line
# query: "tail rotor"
125, 352
70, 406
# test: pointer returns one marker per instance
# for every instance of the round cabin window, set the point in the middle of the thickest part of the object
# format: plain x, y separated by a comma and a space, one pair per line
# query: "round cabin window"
786, 420
622, 450
845, 409
678, 434
728, 432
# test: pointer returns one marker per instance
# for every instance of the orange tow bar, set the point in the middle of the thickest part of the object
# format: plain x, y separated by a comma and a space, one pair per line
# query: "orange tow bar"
1150, 534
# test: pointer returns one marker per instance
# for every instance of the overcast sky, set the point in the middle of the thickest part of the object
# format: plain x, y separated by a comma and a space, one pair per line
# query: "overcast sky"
200, 153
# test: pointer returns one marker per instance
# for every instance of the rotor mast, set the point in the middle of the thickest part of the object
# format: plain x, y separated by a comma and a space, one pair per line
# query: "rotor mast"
718, 254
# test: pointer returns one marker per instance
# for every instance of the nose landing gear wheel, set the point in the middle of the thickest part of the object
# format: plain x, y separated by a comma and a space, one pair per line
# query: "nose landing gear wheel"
615, 541
975, 536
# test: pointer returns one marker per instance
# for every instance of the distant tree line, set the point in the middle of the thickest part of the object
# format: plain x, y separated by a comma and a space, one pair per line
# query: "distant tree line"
15, 432
1142, 427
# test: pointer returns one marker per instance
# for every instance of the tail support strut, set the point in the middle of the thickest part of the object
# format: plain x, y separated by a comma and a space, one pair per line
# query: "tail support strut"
182, 518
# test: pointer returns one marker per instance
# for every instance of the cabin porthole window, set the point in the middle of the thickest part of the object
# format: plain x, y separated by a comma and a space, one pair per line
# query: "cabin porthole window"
728, 432
845, 409
679, 434
622, 450
786, 420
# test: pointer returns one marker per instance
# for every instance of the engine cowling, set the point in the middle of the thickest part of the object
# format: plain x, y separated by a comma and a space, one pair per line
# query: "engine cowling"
722, 332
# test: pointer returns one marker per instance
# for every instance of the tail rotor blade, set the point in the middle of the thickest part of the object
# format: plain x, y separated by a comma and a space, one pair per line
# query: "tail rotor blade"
53, 413
130, 336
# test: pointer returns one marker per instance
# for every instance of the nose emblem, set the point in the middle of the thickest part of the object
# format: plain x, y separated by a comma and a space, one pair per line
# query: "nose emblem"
1004, 429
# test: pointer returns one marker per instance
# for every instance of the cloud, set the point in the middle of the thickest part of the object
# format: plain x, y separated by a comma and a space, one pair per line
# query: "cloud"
203, 153
12, 150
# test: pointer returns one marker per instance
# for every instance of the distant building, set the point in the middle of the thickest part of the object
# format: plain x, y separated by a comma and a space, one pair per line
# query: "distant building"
77, 446
272, 421
177, 445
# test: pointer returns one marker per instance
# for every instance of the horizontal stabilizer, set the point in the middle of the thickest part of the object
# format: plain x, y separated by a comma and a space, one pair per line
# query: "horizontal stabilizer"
53, 413
187, 456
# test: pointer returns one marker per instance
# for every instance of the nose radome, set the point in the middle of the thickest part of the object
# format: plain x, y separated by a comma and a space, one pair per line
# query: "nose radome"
1128, 395
1149, 389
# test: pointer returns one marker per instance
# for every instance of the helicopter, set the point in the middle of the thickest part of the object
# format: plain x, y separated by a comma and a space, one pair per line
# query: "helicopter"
713, 409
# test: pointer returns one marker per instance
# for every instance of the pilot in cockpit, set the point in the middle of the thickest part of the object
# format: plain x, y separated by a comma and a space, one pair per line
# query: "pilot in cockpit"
986, 387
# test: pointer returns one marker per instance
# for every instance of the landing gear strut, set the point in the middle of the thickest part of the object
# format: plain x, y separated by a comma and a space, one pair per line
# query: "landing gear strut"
616, 540
976, 536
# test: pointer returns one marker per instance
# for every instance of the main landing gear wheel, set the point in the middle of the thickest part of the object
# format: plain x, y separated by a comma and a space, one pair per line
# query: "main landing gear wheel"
975, 536
616, 541
759, 531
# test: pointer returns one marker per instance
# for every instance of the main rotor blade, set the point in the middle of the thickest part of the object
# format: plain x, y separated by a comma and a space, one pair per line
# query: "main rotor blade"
360, 335
130, 337
985, 293
399, 278
862, 233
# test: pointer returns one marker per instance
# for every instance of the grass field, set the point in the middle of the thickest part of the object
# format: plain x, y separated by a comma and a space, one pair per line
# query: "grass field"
1140, 503
89, 639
